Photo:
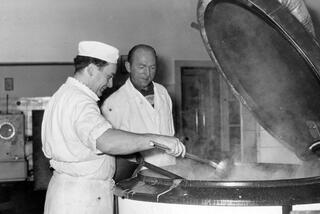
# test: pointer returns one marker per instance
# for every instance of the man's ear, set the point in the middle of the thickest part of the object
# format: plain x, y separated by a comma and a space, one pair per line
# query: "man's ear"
127, 65
90, 69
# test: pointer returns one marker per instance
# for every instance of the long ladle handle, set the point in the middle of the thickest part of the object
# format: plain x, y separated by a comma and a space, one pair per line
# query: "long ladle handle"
196, 158
143, 163
187, 155
161, 171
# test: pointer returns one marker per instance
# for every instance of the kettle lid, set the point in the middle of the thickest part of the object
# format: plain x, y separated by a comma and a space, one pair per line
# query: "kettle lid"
272, 64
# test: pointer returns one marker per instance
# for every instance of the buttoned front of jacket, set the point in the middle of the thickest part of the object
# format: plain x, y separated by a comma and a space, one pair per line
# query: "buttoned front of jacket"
129, 110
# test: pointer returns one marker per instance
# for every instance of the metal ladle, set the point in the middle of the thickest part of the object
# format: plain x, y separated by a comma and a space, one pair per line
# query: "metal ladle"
222, 167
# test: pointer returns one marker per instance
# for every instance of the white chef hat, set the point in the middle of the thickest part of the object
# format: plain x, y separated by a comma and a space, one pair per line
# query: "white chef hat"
98, 50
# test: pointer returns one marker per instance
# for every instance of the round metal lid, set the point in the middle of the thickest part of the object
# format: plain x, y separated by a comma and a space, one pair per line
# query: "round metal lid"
272, 64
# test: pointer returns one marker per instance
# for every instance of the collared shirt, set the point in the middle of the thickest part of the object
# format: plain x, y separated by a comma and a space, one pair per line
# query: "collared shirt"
72, 122
129, 110
148, 93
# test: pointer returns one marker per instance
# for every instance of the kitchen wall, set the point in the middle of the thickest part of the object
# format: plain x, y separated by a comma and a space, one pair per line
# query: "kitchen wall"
270, 150
49, 31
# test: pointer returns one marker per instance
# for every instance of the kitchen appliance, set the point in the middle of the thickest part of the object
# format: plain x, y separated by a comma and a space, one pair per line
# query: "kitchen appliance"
272, 64
13, 165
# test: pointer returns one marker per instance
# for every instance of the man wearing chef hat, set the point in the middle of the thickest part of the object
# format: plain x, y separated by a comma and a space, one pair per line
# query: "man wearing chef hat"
81, 143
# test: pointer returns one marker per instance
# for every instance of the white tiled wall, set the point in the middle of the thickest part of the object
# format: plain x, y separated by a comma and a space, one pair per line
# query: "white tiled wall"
269, 150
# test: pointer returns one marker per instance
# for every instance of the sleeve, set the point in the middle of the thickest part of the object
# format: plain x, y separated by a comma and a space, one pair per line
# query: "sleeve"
110, 109
90, 124
171, 124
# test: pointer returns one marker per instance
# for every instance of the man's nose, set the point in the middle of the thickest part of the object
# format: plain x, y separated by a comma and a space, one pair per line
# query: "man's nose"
147, 71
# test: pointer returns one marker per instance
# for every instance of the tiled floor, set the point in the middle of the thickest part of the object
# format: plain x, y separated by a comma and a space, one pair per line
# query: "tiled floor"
21, 198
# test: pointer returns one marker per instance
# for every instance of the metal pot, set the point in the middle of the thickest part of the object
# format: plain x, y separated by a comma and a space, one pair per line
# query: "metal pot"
280, 191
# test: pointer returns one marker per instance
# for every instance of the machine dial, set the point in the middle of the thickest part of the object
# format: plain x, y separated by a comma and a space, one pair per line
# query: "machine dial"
7, 131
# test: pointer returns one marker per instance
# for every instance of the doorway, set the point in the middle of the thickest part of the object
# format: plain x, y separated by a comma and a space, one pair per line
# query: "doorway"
208, 116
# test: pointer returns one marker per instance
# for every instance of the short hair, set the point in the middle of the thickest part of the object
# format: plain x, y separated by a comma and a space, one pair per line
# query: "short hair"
140, 46
80, 62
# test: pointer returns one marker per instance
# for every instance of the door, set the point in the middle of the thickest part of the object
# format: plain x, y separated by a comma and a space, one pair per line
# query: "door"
207, 115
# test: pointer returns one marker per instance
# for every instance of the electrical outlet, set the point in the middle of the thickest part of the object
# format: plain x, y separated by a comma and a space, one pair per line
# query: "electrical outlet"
8, 84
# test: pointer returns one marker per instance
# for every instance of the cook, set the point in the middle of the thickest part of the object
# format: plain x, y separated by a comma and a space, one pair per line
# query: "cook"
80, 142
142, 105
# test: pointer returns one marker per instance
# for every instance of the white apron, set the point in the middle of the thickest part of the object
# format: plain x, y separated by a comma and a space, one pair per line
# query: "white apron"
77, 195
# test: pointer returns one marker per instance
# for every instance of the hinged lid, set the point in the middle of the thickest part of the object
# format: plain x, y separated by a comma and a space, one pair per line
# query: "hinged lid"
272, 64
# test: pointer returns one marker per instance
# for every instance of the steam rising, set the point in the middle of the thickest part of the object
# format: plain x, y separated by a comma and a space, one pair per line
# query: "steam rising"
244, 171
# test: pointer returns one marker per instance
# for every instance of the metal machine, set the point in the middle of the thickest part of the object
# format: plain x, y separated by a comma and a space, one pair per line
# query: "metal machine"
13, 165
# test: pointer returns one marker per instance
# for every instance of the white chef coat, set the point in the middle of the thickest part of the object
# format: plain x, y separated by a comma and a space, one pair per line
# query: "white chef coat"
129, 110
82, 181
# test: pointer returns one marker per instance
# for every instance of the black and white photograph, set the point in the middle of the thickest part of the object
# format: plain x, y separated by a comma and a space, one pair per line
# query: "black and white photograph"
160, 107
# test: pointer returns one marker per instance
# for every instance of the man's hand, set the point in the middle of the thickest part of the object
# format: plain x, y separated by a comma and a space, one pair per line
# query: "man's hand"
172, 145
